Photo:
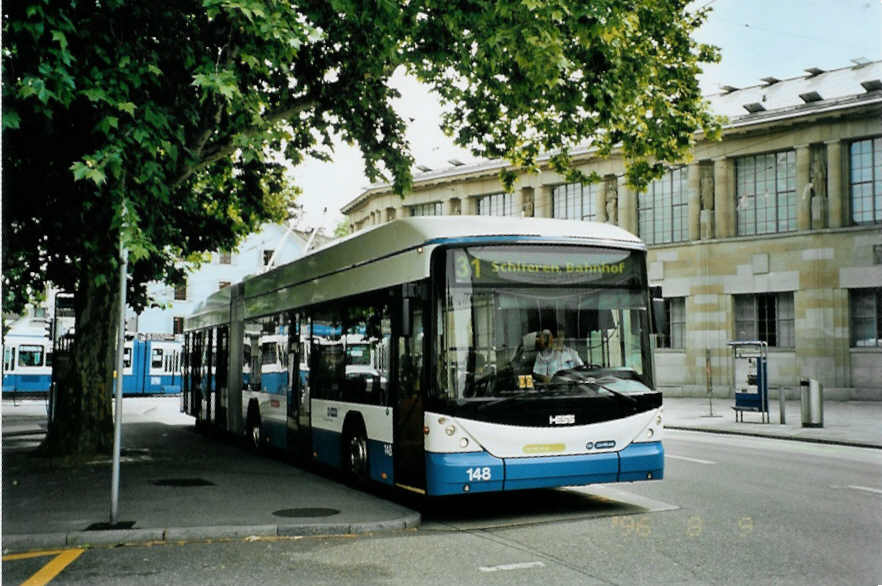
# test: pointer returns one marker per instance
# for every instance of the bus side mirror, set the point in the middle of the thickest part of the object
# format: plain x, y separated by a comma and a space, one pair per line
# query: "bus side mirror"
406, 318
659, 316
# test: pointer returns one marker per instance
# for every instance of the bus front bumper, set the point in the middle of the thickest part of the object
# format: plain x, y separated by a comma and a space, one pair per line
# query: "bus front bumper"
460, 473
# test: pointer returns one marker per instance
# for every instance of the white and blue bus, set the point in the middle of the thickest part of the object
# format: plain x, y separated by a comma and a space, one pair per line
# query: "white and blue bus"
406, 354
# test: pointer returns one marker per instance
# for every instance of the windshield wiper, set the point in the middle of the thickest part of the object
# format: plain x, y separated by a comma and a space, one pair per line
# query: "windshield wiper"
500, 400
590, 380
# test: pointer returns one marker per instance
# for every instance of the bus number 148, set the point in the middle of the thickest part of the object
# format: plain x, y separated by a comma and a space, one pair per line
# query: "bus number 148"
476, 474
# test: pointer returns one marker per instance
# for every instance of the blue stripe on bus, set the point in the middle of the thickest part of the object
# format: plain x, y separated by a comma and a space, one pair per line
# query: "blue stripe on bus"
643, 461
275, 432
547, 471
481, 472
326, 445
380, 463
451, 473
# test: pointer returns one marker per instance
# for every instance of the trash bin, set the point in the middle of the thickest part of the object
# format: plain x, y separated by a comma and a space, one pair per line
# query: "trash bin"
812, 402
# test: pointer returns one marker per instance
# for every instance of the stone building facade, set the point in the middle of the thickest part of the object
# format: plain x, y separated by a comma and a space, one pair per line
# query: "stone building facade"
772, 233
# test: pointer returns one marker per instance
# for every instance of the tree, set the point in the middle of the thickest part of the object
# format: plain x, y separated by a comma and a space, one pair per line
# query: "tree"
182, 114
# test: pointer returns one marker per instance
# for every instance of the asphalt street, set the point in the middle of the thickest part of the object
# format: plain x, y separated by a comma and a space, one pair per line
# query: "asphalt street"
731, 510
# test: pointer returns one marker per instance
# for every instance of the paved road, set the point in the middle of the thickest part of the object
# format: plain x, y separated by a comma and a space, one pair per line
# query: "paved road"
731, 510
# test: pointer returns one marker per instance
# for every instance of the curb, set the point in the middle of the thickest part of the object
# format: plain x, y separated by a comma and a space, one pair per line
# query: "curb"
114, 537
773, 435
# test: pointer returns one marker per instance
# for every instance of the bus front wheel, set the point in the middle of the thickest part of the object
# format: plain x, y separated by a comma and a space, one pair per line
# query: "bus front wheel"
356, 456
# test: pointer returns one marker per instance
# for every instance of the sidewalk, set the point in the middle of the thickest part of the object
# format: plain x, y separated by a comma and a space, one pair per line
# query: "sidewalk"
176, 484
854, 423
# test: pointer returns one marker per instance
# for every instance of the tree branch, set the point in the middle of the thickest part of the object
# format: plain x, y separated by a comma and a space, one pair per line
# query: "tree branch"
221, 151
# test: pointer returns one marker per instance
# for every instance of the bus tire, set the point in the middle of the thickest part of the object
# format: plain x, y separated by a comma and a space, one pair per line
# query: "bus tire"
253, 434
355, 454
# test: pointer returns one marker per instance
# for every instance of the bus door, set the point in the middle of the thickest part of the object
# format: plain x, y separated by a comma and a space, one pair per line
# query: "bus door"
410, 461
297, 400
196, 341
220, 376
206, 384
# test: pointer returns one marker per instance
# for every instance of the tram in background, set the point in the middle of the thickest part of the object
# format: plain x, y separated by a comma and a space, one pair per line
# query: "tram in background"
422, 375
150, 366
27, 365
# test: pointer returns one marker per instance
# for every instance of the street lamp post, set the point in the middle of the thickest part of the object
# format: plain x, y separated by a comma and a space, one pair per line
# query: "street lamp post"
121, 341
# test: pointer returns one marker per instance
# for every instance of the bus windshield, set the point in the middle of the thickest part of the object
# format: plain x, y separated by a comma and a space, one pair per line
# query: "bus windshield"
531, 320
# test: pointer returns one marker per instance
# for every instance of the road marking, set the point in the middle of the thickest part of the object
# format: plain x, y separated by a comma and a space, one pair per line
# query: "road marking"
508, 567
696, 460
865, 488
62, 559
611, 493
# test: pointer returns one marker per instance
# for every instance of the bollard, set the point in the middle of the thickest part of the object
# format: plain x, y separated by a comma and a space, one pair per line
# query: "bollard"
812, 403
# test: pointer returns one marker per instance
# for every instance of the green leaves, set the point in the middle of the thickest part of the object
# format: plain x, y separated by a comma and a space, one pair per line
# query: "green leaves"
188, 114
87, 170
223, 82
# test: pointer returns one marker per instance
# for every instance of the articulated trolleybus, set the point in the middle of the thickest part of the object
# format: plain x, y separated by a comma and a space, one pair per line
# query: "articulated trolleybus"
415, 354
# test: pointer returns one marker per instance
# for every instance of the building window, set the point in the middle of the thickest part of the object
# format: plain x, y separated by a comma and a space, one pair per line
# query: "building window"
225, 257
662, 211
767, 317
177, 325
426, 209
866, 317
865, 180
574, 201
675, 325
181, 292
765, 191
498, 204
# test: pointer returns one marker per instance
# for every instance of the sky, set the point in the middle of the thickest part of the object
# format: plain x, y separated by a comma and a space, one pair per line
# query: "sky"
757, 38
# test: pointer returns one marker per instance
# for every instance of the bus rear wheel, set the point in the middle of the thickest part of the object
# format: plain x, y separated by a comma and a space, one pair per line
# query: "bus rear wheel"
253, 435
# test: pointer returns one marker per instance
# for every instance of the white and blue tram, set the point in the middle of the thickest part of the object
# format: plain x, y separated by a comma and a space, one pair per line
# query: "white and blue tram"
407, 354
27, 364
150, 366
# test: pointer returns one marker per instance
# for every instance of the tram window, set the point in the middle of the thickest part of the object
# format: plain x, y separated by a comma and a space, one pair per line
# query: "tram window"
127, 358
156, 358
30, 356
268, 353
8, 358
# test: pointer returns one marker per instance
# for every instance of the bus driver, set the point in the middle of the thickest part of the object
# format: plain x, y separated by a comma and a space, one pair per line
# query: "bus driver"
552, 357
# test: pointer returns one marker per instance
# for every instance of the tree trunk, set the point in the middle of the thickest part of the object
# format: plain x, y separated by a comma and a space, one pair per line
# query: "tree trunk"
83, 423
